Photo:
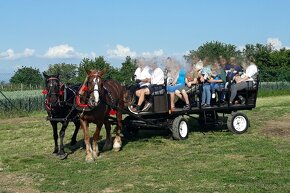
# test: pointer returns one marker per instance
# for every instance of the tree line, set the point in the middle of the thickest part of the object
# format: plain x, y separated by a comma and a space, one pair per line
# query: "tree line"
73, 73
274, 65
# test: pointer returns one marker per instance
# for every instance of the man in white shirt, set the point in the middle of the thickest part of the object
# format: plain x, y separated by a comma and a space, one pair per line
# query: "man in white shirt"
245, 81
156, 78
142, 74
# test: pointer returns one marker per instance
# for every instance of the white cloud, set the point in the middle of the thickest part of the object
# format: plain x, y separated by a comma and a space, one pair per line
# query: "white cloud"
156, 53
28, 52
66, 51
11, 55
275, 43
120, 52
61, 51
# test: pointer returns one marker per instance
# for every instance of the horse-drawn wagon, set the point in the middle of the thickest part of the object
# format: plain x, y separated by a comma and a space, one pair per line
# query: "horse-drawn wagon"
161, 116
93, 101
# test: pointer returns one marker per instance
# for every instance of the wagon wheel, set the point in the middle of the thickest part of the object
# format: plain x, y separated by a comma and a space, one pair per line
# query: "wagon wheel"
238, 122
179, 128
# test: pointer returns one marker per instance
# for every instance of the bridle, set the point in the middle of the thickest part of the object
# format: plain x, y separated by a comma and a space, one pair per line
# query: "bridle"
94, 79
50, 91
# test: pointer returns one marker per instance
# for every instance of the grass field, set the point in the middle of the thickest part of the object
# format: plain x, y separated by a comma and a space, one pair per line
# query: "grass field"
215, 161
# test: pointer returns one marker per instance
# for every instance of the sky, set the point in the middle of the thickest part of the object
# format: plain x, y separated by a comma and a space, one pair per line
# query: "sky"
38, 33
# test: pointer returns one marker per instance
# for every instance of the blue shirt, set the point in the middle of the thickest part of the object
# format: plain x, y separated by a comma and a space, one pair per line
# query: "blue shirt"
181, 77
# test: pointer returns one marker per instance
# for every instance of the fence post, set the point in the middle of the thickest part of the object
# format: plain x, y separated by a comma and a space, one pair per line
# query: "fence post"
29, 105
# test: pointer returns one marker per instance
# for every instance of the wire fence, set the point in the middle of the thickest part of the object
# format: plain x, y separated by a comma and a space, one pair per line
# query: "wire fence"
272, 86
18, 102
29, 104
19, 87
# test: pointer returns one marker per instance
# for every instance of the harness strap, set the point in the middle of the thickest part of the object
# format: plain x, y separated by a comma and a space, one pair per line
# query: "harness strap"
110, 95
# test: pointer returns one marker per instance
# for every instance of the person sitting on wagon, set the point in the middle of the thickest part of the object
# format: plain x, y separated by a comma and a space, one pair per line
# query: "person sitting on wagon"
243, 82
217, 80
142, 77
157, 78
178, 84
233, 68
142, 73
204, 76
224, 64
191, 80
192, 76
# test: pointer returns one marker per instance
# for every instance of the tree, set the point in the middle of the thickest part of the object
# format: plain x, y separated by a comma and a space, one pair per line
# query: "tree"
127, 70
98, 63
213, 50
261, 54
67, 72
27, 76
280, 61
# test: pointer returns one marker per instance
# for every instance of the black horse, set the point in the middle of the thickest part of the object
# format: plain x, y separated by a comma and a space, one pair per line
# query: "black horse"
59, 104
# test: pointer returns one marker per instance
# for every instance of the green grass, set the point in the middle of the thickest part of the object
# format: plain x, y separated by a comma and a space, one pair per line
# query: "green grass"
269, 93
211, 162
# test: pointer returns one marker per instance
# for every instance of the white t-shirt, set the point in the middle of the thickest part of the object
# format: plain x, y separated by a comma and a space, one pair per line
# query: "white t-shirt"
137, 73
143, 74
251, 71
157, 77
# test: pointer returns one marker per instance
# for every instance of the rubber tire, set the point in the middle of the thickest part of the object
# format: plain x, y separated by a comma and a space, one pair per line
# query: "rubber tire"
176, 128
231, 119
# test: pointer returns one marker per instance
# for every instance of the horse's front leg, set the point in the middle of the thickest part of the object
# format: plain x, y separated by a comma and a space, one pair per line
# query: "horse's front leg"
61, 153
89, 156
74, 137
95, 140
118, 141
55, 136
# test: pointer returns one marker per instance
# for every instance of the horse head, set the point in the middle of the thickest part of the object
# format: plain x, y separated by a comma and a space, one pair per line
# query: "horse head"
92, 87
53, 89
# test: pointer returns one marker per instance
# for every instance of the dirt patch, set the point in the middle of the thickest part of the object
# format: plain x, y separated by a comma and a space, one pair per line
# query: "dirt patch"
14, 183
279, 128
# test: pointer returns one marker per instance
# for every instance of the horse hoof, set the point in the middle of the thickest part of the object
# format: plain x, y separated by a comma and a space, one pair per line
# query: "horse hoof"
72, 143
90, 160
95, 155
63, 156
117, 146
89, 157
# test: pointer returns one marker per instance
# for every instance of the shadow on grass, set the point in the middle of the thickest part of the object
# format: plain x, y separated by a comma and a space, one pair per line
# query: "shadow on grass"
146, 134
198, 125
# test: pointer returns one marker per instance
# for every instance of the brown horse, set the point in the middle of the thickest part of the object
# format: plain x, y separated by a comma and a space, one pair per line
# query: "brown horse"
101, 96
